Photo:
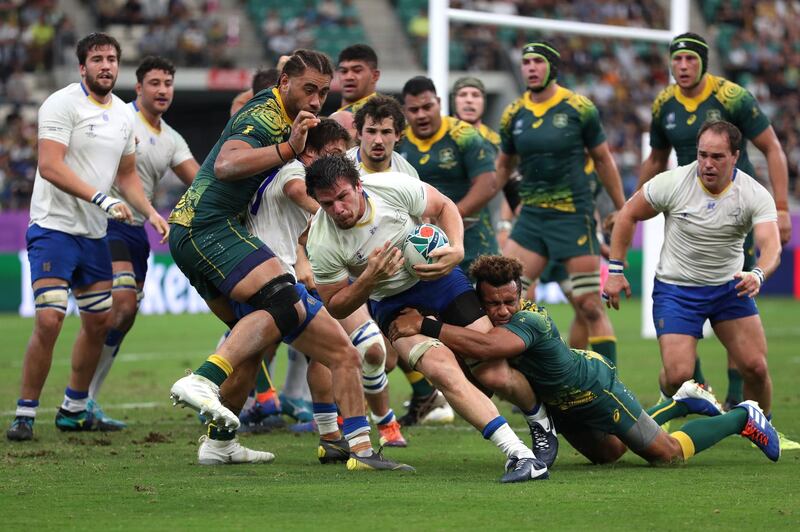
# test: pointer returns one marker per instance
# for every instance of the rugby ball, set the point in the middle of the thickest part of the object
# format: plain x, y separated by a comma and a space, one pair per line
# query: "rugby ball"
419, 244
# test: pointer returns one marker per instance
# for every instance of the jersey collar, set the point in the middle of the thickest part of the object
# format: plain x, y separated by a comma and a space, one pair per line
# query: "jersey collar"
723, 191
360, 100
539, 109
147, 124
424, 145
92, 99
691, 103
370, 209
277, 95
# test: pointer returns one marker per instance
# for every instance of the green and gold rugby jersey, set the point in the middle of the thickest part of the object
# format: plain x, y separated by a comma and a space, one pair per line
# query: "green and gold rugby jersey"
449, 161
560, 376
677, 118
261, 122
491, 136
356, 105
551, 139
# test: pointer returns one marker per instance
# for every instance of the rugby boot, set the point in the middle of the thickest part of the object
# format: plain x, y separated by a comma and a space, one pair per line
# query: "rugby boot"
21, 429
698, 399
202, 395
331, 452
224, 452
760, 431
375, 462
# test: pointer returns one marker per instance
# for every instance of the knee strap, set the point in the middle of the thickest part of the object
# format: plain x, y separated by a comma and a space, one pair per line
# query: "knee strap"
95, 302
585, 283
420, 349
373, 376
278, 297
124, 280
52, 297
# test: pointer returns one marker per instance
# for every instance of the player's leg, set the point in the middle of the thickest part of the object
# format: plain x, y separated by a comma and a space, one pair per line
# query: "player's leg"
678, 353
296, 397
533, 256
746, 343
324, 341
368, 340
584, 274
438, 363
599, 447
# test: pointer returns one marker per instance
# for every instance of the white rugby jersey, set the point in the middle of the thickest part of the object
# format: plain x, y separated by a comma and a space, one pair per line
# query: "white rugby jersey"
96, 136
398, 163
395, 204
274, 218
704, 233
156, 151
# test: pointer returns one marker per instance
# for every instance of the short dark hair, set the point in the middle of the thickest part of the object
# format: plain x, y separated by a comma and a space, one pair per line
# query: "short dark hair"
94, 40
154, 62
263, 78
721, 127
496, 270
302, 59
327, 131
417, 85
326, 171
379, 107
359, 52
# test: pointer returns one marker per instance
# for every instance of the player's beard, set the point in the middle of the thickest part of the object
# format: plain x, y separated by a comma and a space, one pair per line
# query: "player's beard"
95, 88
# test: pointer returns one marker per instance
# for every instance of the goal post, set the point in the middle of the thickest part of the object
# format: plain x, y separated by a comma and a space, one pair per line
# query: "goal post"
441, 15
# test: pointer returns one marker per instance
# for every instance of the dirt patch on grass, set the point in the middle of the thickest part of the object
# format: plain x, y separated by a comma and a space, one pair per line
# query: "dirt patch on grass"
153, 437
30, 454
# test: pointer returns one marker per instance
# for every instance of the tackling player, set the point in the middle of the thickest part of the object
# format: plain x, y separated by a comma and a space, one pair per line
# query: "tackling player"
591, 407
158, 148
86, 142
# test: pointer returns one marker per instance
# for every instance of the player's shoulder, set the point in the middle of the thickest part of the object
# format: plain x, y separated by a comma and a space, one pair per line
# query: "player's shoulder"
665, 95
265, 110
387, 180
461, 132
727, 92
511, 110
65, 97
489, 134
580, 103
292, 170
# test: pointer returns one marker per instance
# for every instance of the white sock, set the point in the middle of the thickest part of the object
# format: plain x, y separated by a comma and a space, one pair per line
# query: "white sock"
74, 405
107, 356
296, 385
508, 442
326, 423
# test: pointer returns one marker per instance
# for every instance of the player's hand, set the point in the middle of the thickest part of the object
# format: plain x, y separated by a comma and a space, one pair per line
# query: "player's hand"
408, 323
302, 270
384, 262
750, 283
300, 127
113, 206
448, 257
615, 285
784, 226
160, 225
609, 221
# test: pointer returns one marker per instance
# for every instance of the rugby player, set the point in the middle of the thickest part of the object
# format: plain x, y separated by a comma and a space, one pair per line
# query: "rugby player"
86, 142
158, 149
224, 261
556, 137
357, 68
709, 207
591, 407
678, 112
353, 248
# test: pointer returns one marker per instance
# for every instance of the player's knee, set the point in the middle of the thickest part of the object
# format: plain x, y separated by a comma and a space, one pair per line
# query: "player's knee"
125, 309
754, 370
48, 324
677, 374
367, 338
280, 299
496, 378
589, 306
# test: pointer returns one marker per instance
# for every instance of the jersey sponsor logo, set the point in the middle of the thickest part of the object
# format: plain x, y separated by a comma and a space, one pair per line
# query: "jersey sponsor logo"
425, 158
447, 159
517, 127
713, 115
90, 133
691, 120
560, 120
538, 123
582, 240
670, 121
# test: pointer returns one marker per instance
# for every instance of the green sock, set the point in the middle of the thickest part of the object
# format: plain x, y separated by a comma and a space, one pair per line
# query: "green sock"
735, 387
263, 383
212, 372
703, 433
220, 434
420, 386
667, 410
698, 376
606, 346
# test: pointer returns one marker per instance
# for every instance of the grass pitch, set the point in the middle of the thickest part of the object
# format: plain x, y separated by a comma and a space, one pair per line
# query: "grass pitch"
146, 477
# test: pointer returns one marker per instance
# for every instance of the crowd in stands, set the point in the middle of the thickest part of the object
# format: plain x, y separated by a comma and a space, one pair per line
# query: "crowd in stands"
759, 47
17, 160
189, 32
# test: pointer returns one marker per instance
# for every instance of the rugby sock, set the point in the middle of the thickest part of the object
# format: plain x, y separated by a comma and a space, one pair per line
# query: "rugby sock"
296, 384
384, 419
356, 432
735, 387
107, 355
498, 431
700, 434
536, 414
74, 401
420, 386
606, 346
216, 369
26, 408
667, 410
698, 376
325, 415
220, 433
